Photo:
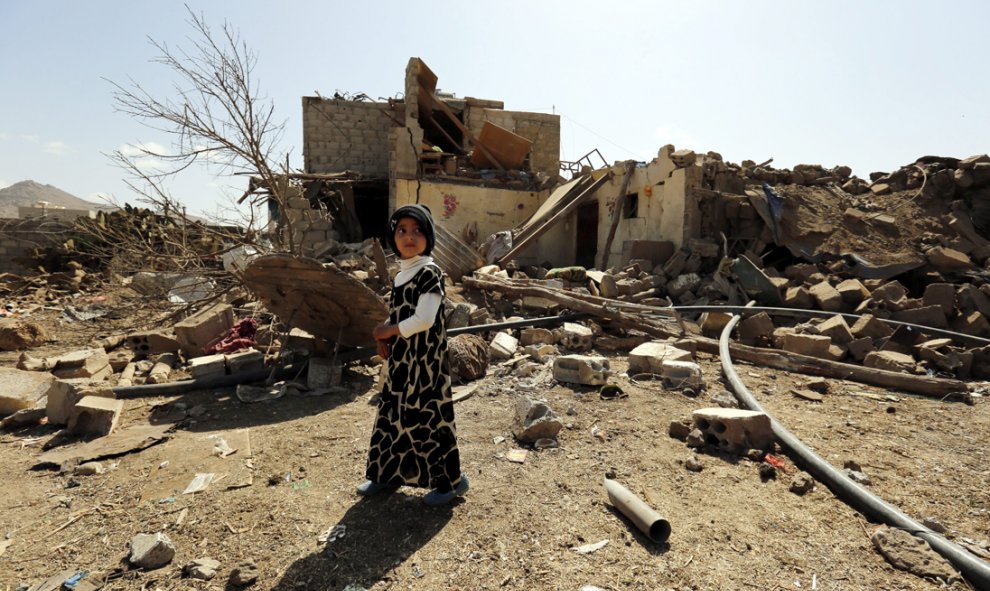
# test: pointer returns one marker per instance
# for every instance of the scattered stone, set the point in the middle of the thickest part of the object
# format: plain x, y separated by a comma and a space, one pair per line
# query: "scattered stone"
948, 259
694, 464
203, 569
827, 297
535, 420
536, 336
681, 374
725, 400
756, 329
17, 334
890, 361
767, 471
934, 525
858, 477
819, 385
680, 429
503, 346
802, 483
243, 574
88, 469
811, 345
911, 553
95, 415
151, 551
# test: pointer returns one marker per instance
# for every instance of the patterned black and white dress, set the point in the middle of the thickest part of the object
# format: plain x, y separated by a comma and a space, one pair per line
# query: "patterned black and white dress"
414, 441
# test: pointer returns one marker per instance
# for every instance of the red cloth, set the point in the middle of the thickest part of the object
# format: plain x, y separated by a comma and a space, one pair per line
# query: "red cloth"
241, 336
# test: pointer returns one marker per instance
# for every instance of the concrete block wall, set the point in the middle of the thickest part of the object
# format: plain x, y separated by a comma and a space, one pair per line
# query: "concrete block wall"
20, 238
346, 135
542, 128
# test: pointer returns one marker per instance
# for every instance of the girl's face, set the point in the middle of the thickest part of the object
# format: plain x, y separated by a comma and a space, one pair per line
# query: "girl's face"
409, 238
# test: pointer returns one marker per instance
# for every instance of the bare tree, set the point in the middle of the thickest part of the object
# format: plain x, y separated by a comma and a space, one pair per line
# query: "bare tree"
216, 116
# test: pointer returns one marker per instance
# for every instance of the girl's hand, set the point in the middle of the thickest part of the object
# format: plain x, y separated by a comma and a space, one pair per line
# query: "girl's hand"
384, 349
385, 331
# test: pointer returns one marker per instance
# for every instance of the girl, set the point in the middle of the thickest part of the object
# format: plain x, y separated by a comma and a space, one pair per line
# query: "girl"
414, 441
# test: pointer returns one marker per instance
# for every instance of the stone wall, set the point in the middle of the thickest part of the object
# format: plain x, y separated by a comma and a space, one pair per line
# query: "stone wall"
346, 135
20, 238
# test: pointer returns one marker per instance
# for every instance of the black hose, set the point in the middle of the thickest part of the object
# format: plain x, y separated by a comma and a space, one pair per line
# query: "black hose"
976, 571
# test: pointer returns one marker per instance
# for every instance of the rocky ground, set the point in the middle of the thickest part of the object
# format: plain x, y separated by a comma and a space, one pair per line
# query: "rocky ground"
522, 523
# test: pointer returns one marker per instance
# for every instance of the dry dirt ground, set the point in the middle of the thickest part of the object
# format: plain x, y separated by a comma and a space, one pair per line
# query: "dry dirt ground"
518, 526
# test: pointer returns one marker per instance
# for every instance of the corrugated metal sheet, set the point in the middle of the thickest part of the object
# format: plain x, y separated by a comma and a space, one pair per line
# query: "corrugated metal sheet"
454, 257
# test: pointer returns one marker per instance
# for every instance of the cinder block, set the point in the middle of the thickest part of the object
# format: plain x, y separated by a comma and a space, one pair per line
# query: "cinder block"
575, 337
244, 361
681, 374
581, 369
649, 357
152, 343
208, 366
95, 415
203, 328
734, 430
827, 297
64, 396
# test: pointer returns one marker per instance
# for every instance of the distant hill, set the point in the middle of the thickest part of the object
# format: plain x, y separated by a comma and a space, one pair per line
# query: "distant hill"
30, 193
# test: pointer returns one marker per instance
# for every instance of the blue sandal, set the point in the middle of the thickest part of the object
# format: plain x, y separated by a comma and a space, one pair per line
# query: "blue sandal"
435, 498
369, 488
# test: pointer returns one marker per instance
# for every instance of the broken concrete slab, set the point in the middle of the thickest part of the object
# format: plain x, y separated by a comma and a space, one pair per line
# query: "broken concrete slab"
245, 361
121, 442
84, 363
95, 415
536, 336
581, 369
21, 390
681, 374
734, 430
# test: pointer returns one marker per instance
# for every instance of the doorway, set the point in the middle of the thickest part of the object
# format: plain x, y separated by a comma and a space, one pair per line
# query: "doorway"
586, 235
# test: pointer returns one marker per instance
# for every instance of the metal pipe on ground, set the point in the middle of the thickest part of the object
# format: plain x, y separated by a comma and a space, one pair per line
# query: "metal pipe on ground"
976, 571
642, 515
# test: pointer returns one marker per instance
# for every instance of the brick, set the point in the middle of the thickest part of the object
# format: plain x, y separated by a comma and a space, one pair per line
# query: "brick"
948, 259
826, 296
798, 297
974, 324
890, 361
942, 295
869, 325
860, 347
712, 323
932, 316
203, 328
836, 329
95, 415
503, 346
806, 344
756, 329
889, 293
852, 292
535, 336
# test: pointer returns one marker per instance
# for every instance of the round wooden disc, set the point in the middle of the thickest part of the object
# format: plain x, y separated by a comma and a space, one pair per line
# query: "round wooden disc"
323, 301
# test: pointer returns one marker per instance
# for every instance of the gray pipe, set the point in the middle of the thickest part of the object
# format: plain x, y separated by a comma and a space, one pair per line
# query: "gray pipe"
976, 571
642, 515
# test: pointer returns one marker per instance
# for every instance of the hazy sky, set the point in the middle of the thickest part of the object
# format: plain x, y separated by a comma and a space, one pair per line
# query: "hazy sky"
873, 85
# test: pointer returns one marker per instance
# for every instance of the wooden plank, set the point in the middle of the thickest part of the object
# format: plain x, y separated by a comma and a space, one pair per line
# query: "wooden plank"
620, 203
467, 132
543, 227
511, 149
